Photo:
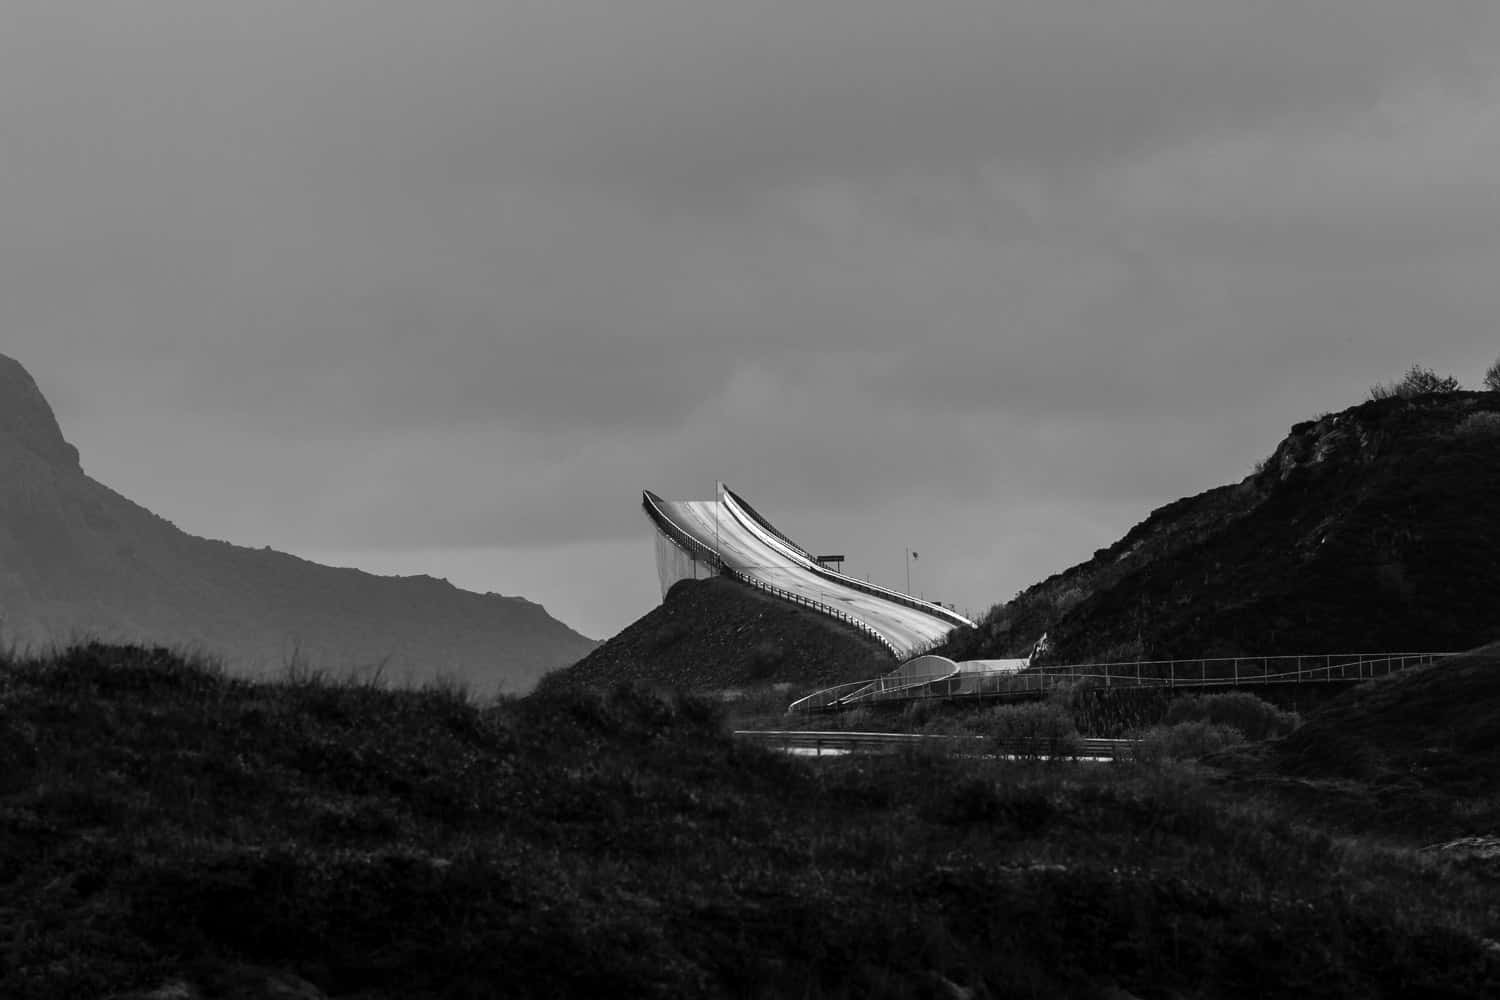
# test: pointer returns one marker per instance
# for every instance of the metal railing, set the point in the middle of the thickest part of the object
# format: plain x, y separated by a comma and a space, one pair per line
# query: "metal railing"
1239, 671
765, 524
880, 688
808, 602
651, 503
820, 741
952, 618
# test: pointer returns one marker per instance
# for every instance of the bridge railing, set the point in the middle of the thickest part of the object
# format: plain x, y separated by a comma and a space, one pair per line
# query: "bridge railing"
1238, 671
952, 618
808, 602
879, 688
651, 504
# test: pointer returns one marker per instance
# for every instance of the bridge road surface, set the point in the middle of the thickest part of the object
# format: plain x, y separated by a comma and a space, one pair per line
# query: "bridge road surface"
747, 547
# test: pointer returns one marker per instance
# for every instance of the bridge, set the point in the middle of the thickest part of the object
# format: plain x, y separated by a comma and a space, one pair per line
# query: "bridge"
937, 677
727, 536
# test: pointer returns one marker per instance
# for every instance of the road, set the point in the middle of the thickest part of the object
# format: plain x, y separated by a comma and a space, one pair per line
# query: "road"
744, 545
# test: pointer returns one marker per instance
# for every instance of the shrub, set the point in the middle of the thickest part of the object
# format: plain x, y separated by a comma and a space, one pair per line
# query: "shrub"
1492, 377
1185, 741
982, 800
765, 658
1253, 718
1417, 381
1033, 729
915, 715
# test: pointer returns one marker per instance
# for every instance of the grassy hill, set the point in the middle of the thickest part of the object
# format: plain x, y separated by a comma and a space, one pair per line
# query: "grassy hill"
1415, 755
1369, 529
166, 830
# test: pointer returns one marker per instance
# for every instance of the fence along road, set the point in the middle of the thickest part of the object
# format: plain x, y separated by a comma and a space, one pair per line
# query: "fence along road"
753, 551
956, 681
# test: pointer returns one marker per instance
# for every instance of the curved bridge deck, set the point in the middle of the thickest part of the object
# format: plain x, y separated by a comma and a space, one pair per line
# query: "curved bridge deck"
730, 536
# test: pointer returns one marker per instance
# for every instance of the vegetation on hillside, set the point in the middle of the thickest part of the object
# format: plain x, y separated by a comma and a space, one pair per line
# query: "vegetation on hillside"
1415, 754
1370, 529
720, 634
168, 828
1418, 381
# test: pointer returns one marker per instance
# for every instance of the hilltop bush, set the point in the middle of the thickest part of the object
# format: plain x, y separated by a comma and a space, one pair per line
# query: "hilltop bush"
1418, 381
1492, 377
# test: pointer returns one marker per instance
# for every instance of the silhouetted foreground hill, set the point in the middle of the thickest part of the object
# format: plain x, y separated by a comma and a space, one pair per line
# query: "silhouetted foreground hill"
1416, 754
1370, 529
719, 633
77, 559
170, 832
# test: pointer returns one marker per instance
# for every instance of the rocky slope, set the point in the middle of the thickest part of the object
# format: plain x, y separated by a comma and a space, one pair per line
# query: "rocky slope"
1369, 529
719, 633
78, 559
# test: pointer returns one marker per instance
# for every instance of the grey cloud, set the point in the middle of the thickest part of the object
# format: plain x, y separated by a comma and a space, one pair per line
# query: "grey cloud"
455, 275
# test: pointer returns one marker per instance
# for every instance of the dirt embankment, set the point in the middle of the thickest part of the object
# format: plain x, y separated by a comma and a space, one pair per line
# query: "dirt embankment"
709, 635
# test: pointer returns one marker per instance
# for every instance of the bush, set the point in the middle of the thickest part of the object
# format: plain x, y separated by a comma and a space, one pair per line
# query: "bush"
1185, 741
1253, 718
982, 800
1033, 729
1492, 377
1417, 381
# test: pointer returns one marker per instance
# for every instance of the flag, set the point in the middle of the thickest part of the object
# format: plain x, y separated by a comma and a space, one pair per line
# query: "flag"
914, 554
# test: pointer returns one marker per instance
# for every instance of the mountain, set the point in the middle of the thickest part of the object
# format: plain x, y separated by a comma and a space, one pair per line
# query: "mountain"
719, 633
1373, 529
78, 559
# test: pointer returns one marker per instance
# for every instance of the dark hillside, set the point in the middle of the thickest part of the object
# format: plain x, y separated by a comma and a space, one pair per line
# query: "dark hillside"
719, 633
1417, 753
1370, 529
166, 831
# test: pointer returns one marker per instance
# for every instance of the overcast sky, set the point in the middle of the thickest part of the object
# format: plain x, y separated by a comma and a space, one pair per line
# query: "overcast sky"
440, 287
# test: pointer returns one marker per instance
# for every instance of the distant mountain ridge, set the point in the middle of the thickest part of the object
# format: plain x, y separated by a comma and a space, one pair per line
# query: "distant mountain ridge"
78, 559
1375, 528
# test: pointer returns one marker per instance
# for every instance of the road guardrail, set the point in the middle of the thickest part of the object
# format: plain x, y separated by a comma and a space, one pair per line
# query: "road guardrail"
864, 742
